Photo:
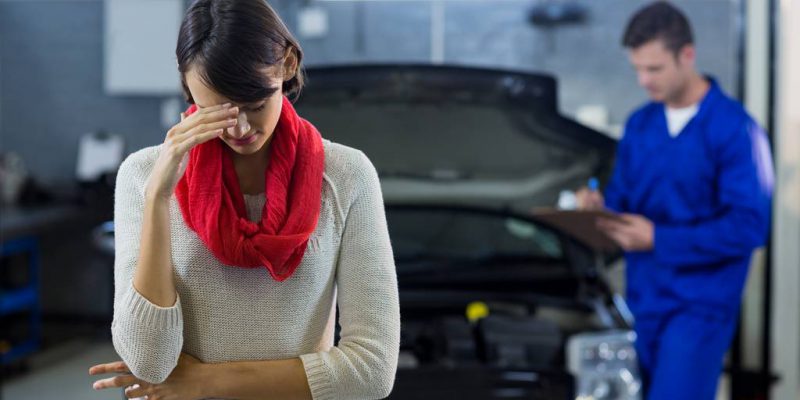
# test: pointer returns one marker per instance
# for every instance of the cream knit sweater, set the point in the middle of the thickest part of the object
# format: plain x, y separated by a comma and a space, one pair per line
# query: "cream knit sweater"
228, 313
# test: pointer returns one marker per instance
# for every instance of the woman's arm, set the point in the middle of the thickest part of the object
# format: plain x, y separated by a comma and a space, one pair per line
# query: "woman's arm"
147, 329
154, 278
244, 380
148, 324
363, 364
192, 379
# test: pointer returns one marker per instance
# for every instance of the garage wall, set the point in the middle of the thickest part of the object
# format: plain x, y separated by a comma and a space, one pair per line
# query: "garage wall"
587, 57
786, 229
51, 61
51, 86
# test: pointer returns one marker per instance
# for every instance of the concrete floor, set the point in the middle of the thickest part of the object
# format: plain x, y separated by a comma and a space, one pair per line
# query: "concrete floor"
63, 373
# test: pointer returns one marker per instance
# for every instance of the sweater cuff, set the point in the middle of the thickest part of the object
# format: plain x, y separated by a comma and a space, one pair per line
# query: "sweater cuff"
319, 380
149, 314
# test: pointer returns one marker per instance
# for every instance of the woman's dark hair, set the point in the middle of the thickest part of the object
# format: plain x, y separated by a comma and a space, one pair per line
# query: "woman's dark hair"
659, 20
231, 42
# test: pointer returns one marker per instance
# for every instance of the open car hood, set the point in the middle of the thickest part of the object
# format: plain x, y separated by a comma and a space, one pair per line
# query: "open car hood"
456, 135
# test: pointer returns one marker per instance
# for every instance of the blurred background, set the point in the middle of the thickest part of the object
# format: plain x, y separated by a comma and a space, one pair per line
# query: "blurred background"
83, 83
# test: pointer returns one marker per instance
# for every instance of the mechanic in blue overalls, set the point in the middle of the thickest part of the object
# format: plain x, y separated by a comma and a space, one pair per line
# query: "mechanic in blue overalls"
692, 183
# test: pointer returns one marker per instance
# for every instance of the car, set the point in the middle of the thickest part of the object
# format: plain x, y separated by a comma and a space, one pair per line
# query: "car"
495, 302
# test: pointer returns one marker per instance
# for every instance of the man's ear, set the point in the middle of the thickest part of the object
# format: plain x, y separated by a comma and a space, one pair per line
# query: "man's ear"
290, 64
687, 55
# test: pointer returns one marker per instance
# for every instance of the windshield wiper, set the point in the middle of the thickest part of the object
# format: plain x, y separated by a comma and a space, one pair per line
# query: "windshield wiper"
434, 175
423, 262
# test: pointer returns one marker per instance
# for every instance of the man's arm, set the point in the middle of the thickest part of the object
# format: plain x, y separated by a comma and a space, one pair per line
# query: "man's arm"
744, 185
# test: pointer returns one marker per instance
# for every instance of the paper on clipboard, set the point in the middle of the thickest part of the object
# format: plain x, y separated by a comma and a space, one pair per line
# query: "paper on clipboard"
581, 225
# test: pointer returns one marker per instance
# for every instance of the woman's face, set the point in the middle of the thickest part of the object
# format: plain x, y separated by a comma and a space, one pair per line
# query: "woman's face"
257, 120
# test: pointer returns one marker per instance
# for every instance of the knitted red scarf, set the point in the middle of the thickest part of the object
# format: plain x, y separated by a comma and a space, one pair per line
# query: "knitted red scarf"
213, 205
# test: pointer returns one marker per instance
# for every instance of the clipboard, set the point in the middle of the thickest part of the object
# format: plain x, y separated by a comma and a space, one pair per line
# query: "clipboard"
580, 225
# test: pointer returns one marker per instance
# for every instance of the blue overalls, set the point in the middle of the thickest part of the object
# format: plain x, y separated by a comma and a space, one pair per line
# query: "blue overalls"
708, 193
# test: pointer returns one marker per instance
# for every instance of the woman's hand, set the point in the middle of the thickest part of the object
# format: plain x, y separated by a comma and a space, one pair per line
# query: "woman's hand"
199, 127
186, 382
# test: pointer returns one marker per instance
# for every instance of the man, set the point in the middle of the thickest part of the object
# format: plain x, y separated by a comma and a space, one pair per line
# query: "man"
692, 183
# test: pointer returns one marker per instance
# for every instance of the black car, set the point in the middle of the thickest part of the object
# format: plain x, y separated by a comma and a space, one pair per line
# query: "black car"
494, 302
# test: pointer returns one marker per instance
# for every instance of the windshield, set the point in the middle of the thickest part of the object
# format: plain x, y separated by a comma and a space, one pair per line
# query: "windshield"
457, 234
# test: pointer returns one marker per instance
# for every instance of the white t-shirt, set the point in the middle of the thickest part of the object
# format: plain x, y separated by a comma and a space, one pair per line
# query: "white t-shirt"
677, 118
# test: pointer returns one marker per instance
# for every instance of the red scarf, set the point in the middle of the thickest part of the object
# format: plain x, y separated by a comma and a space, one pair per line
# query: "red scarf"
213, 205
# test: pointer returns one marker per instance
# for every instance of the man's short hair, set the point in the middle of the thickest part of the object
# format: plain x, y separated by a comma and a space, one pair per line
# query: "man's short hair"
658, 20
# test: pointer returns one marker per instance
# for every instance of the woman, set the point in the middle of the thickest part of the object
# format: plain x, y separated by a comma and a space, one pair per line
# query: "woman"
237, 237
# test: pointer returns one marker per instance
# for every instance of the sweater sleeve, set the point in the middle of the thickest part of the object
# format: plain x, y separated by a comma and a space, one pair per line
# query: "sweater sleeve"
147, 337
745, 181
363, 364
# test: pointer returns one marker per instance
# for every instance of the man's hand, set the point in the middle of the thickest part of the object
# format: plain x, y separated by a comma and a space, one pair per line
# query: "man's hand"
589, 200
186, 382
631, 232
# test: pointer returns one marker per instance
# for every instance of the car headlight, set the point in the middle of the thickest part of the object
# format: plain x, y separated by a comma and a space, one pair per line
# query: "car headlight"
604, 365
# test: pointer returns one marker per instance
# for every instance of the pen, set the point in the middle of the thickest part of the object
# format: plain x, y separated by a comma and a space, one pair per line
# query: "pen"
593, 184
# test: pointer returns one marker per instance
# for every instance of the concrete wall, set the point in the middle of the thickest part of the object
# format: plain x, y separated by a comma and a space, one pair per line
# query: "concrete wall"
51, 61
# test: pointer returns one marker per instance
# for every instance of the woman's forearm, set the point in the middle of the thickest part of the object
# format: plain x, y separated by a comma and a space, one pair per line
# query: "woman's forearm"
154, 278
245, 380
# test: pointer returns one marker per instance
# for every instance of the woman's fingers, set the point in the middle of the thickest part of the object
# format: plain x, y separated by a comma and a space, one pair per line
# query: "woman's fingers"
186, 145
178, 146
118, 381
118, 366
200, 112
136, 391
200, 134
213, 108
207, 118
202, 117
202, 128
188, 357
213, 114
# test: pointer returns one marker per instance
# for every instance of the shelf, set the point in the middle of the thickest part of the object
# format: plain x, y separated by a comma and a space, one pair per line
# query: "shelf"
20, 350
23, 298
17, 300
